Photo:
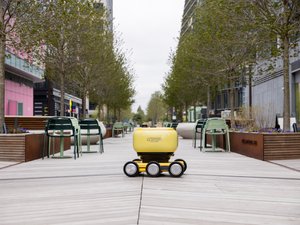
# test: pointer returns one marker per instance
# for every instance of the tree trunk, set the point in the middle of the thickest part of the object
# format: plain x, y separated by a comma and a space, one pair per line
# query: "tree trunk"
250, 92
208, 101
83, 116
62, 90
195, 113
231, 93
99, 111
180, 114
62, 71
107, 114
186, 113
168, 113
2, 78
286, 85
2, 68
115, 115
286, 69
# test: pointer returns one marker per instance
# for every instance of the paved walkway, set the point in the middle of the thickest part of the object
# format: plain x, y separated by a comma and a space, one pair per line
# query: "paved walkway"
218, 188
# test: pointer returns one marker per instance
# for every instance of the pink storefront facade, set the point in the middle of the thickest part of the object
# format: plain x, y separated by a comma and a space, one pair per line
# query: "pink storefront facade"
20, 77
18, 99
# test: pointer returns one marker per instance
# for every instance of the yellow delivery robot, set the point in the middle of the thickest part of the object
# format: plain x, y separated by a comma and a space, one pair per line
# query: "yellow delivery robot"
155, 146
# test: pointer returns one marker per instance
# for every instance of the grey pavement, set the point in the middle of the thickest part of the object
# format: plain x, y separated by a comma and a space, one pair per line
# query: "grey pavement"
217, 188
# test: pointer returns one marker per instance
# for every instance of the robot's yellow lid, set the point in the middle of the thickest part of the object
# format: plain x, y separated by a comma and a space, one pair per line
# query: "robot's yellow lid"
155, 140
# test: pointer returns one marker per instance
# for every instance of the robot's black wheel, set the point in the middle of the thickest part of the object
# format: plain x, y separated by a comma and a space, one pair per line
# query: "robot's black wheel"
184, 163
176, 169
131, 169
153, 169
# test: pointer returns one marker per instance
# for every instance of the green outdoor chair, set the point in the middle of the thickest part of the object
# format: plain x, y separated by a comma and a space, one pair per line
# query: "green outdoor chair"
295, 127
167, 124
198, 130
130, 127
92, 127
76, 125
60, 127
117, 129
174, 125
125, 125
214, 127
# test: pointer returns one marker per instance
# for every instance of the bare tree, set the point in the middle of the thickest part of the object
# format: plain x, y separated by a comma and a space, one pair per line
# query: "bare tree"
281, 19
12, 12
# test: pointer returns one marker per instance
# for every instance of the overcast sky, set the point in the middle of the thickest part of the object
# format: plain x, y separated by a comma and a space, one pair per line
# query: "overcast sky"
149, 30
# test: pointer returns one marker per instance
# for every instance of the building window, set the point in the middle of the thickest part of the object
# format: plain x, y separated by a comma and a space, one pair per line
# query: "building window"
15, 108
20, 108
297, 93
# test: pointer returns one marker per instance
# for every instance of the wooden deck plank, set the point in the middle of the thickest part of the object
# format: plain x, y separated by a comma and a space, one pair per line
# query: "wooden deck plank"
218, 188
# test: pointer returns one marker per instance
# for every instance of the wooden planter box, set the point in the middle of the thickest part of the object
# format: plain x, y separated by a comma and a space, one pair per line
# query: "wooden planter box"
266, 146
25, 147
108, 133
27, 122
